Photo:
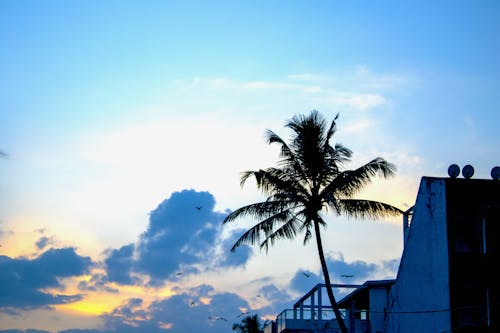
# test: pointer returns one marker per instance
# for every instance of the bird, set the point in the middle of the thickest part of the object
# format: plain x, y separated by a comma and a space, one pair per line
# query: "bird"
347, 276
198, 207
306, 274
192, 304
178, 274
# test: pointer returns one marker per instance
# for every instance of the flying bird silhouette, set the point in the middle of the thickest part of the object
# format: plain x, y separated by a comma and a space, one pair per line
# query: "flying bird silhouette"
198, 207
306, 274
347, 276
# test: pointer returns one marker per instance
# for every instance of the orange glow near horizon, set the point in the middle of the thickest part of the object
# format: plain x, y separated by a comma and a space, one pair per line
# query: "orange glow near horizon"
98, 303
88, 307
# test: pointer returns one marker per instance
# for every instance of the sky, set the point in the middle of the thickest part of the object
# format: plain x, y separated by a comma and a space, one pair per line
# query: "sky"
125, 126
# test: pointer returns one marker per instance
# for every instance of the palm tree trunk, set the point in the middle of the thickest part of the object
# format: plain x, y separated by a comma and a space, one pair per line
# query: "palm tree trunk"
328, 284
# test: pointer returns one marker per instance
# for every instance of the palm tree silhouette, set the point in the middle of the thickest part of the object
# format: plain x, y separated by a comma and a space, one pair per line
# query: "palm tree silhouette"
308, 180
249, 324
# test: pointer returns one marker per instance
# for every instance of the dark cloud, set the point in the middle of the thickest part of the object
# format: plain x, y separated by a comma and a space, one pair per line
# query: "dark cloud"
119, 264
98, 282
179, 234
43, 242
21, 280
183, 235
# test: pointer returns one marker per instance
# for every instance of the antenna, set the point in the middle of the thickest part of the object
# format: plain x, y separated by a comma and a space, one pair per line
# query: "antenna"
453, 171
467, 171
495, 173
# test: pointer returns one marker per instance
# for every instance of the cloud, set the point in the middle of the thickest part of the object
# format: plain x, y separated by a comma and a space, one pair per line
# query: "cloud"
23, 331
278, 299
78, 331
239, 256
43, 242
345, 272
342, 272
305, 280
119, 263
184, 235
98, 282
198, 309
21, 280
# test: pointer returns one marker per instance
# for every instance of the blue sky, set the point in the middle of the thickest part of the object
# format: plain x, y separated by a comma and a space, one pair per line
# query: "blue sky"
118, 118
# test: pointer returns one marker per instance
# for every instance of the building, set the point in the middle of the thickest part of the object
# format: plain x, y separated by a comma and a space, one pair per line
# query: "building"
446, 281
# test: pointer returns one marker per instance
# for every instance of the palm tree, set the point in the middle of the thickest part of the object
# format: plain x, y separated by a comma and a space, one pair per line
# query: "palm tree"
249, 324
308, 181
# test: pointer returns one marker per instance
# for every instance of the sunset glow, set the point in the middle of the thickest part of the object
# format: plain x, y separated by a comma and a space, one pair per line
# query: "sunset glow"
125, 127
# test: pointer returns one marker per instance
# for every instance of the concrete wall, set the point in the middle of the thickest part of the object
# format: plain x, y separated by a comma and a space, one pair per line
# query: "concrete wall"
419, 300
378, 301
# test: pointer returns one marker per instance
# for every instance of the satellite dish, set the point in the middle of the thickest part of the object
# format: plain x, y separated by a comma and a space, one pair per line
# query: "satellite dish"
467, 171
453, 171
495, 173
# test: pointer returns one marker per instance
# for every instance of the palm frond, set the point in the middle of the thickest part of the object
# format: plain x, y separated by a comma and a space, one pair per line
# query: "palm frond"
273, 181
358, 208
259, 210
349, 182
289, 161
266, 227
288, 230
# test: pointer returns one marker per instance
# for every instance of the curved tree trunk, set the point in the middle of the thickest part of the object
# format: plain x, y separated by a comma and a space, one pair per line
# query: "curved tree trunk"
328, 284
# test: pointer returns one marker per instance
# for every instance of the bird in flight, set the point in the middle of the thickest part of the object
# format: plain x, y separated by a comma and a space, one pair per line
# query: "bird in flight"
347, 276
306, 274
198, 207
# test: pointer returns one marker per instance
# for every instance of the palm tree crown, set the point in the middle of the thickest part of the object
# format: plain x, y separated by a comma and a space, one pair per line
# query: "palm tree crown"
310, 179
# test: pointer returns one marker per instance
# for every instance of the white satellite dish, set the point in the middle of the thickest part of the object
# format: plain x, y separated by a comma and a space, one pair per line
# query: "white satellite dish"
495, 173
467, 171
453, 171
